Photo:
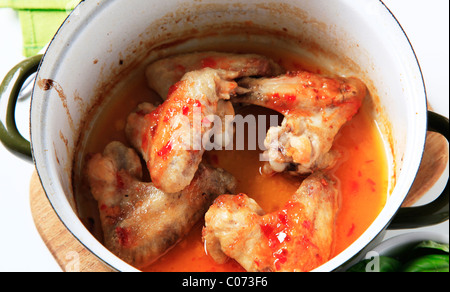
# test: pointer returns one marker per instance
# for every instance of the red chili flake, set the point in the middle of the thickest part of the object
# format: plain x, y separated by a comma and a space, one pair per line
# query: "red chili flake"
290, 97
281, 258
372, 184
277, 265
352, 229
324, 182
165, 150
281, 255
185, 110
103, 207
282, 216
267, 230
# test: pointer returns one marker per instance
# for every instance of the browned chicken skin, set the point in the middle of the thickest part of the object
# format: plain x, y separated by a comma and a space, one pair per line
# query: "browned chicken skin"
315, 108
297, 238
170, 137
164, 73
197, 87
140, 222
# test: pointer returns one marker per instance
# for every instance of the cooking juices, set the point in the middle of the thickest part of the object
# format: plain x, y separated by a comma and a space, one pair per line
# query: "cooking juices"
362, 172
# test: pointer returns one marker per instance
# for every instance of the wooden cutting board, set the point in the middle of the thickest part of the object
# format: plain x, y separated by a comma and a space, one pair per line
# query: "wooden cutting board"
433, 164
70, 254
73, 256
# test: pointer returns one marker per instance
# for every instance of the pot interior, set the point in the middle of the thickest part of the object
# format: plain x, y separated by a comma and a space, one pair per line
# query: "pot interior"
102, 45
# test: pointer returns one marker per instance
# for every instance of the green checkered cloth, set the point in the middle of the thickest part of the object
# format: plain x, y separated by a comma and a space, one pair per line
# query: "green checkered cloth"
39, 19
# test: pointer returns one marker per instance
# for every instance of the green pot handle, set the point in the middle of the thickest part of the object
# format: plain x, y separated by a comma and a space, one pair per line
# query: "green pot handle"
435, 212
10, 89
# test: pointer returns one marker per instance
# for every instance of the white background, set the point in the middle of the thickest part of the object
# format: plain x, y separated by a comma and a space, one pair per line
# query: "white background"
426, 23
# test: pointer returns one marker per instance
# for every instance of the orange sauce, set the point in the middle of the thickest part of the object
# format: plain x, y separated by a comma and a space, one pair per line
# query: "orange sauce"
363, 177
362, 173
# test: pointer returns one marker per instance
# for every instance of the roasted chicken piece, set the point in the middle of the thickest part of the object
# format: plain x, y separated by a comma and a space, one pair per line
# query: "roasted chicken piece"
297, 238
164, 73
140, 222
315, 108
171, 137
198, 87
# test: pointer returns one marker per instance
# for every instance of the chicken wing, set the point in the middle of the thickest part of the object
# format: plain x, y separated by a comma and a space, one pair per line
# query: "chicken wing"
164, 73
171, 137
315, 108
140, 222
297, 238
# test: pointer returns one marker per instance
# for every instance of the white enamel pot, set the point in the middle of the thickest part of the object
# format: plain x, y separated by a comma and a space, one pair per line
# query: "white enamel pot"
102, 42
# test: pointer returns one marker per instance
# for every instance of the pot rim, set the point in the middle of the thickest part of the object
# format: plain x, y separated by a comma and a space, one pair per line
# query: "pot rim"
74, 225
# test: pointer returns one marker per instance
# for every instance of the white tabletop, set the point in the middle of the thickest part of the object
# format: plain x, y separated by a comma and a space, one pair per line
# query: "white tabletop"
21, 248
